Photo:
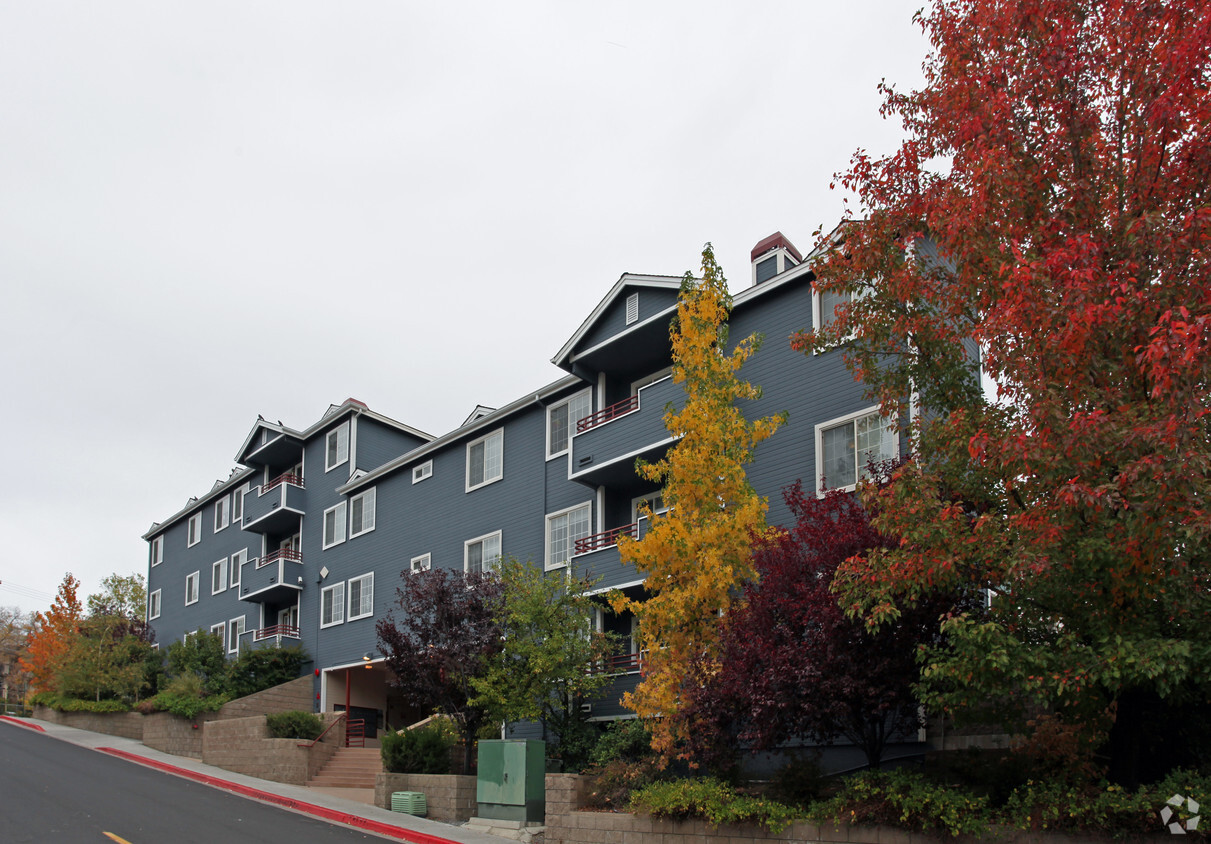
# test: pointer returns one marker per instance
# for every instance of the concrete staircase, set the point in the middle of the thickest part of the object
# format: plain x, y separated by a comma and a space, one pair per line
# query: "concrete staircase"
350, 767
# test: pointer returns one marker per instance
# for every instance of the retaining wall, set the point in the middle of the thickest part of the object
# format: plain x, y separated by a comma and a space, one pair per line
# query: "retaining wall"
448, 797
174, 734
125, 724
297, 695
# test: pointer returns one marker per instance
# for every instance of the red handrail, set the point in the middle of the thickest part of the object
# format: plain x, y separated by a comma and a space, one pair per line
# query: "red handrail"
284, 478
280, 554
355, 734
339, 717
607, 413
605, 539
620, 663
286, 630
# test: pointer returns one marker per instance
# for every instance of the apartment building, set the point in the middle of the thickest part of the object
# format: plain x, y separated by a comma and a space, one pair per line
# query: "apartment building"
308, 540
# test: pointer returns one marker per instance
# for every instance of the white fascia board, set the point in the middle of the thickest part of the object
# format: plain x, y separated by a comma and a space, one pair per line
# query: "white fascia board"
223, 488
627, 279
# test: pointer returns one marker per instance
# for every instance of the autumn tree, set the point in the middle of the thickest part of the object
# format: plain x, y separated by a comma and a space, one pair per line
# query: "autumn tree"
1059, 158
697, 554
52, 636
120, 595
446, 637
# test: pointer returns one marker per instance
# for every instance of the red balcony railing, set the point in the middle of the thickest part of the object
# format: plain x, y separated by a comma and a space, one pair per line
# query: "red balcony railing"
284, 478
607, 413
605, 539
620, 664
287, 631
280, 554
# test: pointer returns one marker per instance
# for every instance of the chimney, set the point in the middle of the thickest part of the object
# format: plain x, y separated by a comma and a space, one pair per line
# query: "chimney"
772, 256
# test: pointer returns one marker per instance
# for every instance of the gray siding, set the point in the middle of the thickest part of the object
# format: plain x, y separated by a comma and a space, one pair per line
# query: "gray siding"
613, 320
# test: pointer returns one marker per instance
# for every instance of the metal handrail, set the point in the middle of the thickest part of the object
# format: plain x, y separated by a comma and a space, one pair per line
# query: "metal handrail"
615, 410
355, 730
286, 630
284, 478
280, 554
339, 717
605, 539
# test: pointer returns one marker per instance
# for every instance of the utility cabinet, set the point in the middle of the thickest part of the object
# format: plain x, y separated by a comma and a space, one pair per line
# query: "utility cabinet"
511, 781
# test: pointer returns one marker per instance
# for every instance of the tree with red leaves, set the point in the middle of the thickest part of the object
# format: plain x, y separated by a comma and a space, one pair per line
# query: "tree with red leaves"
793, 664
447, 636
50, 641
1059, 159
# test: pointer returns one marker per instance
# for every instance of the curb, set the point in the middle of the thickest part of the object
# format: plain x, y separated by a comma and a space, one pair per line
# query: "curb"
377, 827
10, 719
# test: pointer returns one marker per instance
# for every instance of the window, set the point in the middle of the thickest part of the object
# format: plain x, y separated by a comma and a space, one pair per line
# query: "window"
361, 596
237, 504
153, 605
336, 447
421, 563
332, 605
361, 513
219, 630
222, 513
562, 419
828, 300
195, 528
655, 501
157, 550
563, 529
845, 447
334, 525
237, 561
191, 587
632, 308
424, 470
218, 576
235, 629
485, 460
480, 555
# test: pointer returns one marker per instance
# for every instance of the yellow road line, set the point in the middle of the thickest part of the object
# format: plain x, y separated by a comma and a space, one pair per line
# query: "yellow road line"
116, 838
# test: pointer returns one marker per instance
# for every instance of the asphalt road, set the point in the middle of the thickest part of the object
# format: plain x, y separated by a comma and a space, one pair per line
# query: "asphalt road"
52, 792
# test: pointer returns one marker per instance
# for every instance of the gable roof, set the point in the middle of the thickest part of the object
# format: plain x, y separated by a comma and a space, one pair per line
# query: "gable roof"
348, 407
563, 357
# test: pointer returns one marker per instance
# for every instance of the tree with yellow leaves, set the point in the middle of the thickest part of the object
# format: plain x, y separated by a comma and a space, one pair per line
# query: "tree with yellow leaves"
698, 553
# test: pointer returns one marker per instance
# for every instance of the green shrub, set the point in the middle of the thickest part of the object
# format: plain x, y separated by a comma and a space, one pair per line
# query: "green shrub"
627, 739
201, 655
62, 703
907, 799
256, 670
185, 695
622, 763
799, 782
295, 724
425, 750
713, 801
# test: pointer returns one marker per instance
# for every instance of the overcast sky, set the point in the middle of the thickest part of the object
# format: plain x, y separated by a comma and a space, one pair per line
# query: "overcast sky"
214, 210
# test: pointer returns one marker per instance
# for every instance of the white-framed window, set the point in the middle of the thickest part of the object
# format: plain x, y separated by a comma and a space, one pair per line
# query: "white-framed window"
847, 445
361, 597
192, 581
655, 502
237, 561
157, 550
336, 447
361, 513
481, 554
424, 470
563, 529
562, 419
218, 576
485, 459
237, 503
153, 605
219, 630
422, 563
235, 629
195, 529
334, 525
222, 513
332, 605
632, 308
659, 375
825, 304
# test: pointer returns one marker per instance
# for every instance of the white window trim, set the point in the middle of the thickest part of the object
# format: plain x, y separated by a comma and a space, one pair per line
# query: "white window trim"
650, 498
154, 601
817, 315
373, 496
194, 534
426, 561
221, 630
222, 580
338, 523
157, 551
239, 494
349, 616
336, 432
196, 577
841, 420
423, 471
467, 547
587, 393
499, 432
222, 513
237, 624
548, 564
237, 561
337, 605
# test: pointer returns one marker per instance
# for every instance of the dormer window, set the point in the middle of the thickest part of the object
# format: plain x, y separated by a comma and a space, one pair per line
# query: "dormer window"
773, 256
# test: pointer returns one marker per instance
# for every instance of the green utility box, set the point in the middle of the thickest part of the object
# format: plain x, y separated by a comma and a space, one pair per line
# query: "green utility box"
511, 784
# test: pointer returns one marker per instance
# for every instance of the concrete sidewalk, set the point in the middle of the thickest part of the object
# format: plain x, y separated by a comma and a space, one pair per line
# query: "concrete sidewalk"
318, 803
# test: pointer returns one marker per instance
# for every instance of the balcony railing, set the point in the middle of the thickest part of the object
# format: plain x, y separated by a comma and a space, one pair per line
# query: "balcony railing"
615, 410
605, 539
286, 631
284, 478
280, 554
628, 663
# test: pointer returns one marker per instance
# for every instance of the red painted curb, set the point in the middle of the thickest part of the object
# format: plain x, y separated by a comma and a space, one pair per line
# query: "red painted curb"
21, 723
289, 802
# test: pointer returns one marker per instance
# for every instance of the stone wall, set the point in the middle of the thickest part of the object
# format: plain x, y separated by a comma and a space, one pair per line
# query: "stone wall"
243, 745
294, 696
448, 797
175, 734
125, 724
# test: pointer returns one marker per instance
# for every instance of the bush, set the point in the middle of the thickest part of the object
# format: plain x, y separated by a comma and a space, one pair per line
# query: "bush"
256, 670
713, 801
622, 762
296, 724
185, 695
799, 782
906, 799
424, 750
62, 703
201, 655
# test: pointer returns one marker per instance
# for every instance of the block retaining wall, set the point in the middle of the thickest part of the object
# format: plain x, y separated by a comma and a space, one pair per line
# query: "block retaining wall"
125, 724
448, 797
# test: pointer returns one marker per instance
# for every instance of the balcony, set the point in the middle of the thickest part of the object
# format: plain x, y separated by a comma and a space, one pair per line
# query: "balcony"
276, 577
275, 507
273, 636
607, 443
597, 556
